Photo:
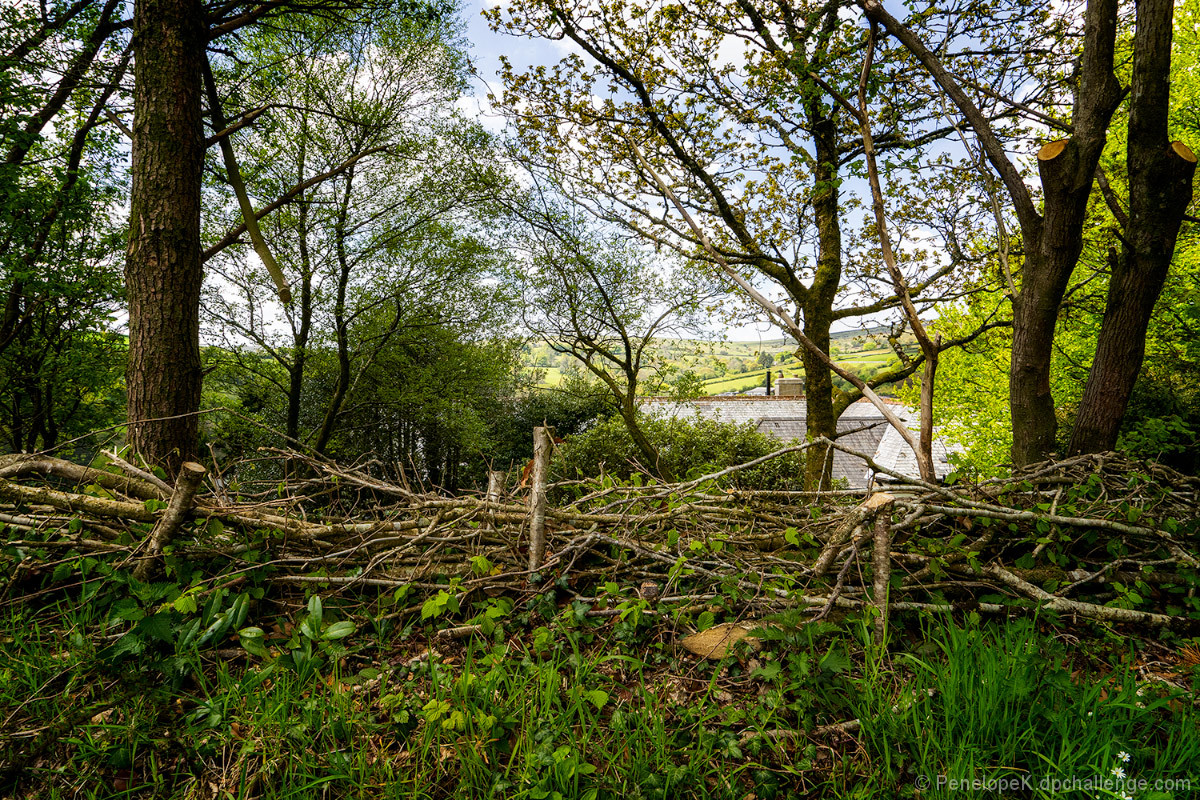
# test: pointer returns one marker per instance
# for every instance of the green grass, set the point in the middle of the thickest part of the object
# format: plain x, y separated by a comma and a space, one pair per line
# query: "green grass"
1007, 706
736, 383
559, 704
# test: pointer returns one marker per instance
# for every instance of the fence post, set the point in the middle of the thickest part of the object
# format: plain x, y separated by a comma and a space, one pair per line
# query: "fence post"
881, 562
537, 497
492, 498
495, 484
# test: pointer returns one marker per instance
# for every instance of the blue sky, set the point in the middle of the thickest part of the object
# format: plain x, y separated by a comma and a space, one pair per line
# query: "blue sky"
486, 47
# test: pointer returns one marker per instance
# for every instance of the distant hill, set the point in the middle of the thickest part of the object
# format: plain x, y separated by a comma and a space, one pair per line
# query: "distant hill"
879, 332
733, 366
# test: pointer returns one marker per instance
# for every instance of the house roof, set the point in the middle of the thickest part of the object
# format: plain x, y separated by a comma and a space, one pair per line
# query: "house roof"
861, 427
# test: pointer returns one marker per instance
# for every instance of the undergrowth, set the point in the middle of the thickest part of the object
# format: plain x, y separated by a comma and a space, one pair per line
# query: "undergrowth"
555, 701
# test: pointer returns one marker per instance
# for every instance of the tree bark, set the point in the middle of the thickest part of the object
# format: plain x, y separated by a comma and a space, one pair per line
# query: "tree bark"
163, 269
1053, 240
820, 419
1160, 188
542, 445
341, 325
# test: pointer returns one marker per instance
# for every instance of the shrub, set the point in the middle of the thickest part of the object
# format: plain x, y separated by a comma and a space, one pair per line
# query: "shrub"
688, 447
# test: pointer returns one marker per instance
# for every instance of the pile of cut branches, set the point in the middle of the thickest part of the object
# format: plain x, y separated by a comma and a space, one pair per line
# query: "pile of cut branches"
1097, 537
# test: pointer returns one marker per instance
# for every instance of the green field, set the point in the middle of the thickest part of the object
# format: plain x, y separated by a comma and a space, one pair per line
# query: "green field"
739, 361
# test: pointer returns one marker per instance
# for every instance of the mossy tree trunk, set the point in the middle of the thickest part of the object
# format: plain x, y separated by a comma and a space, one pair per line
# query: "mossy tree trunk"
818, 299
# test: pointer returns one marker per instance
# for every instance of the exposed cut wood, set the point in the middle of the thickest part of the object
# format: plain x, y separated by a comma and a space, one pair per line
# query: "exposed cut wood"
1051, 150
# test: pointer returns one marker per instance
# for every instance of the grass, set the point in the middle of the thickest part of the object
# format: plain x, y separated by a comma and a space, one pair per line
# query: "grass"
737, 383
559, 703
683, 358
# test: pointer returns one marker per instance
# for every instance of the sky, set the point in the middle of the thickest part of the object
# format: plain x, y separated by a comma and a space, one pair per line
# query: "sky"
486, 47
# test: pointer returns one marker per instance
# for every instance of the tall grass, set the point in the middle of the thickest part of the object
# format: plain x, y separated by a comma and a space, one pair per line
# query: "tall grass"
988, 707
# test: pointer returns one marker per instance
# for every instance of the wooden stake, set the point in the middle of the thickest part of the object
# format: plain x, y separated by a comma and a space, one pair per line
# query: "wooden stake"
542, 443
495, 484
190, 475
492, 498
853, 520
881, 562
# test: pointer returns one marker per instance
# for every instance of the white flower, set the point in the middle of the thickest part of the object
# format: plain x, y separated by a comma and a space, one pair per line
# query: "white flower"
1123, 756
1118, 773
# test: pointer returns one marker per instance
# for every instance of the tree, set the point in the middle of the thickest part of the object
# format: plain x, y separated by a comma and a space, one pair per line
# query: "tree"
163, 269
385, 237
1163, 412
59, 283
720, 100
604, 301
1053, 237
1159, 174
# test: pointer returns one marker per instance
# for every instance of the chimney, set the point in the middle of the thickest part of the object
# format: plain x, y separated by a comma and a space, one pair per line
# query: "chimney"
790, 387
768, 383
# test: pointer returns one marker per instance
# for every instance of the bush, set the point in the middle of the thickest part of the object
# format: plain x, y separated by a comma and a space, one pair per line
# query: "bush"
688, 447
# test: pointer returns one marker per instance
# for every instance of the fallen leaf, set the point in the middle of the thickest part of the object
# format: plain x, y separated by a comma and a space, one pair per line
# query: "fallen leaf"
718, 641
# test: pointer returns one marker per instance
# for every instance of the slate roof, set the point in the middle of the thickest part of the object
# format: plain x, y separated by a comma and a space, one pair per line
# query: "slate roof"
861, 428
894, 453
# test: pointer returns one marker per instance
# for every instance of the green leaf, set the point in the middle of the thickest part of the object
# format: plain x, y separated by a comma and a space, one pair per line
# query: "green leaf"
315, 609
431, 608
768, 672
185, 604
835, 661
339, 630
597, 697
254, 646
127, 610
128, 645
156, 627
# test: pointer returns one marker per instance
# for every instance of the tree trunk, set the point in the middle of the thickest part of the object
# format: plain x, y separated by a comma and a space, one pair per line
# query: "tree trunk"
163, 269
1067, 168
1053, 241
1160, 188
341, 325
642, 441
302, 327
818, 301
820, 419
